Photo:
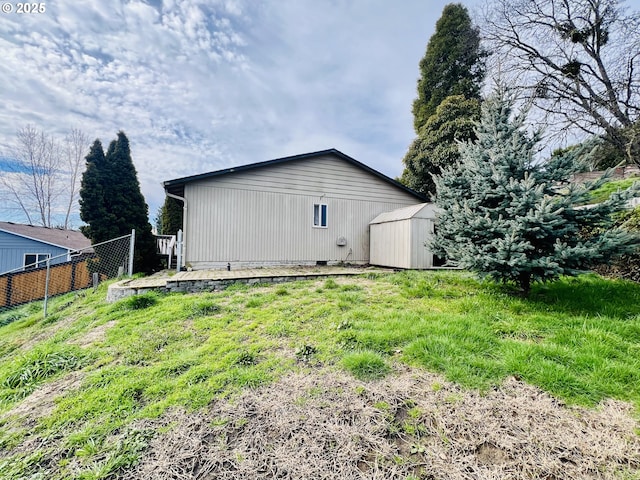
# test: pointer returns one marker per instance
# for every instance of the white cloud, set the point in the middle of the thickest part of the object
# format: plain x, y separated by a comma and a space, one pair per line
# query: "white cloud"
201, 85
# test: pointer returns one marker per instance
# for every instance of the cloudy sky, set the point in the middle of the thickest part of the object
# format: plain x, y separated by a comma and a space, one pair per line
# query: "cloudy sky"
200, 85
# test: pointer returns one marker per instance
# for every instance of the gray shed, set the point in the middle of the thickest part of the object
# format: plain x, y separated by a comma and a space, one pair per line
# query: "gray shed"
397, 238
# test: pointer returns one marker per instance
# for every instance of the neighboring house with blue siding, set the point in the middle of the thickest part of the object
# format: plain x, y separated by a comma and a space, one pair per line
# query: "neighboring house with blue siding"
28, 246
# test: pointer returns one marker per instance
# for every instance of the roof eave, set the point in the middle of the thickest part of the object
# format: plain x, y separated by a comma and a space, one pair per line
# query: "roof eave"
71, 249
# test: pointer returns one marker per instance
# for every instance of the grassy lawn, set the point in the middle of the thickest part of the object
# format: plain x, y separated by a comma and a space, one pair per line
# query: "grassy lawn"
604, 192
110, 367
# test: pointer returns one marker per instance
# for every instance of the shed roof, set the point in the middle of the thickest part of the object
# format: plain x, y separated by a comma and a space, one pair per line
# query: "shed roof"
176, 186
421, 210
58, 237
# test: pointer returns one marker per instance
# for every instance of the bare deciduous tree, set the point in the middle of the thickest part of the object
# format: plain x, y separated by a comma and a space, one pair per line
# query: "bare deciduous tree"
75, 148
577, 60
32, 183
43, 175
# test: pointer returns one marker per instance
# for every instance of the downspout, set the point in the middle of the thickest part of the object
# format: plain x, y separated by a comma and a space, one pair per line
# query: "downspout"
184, 225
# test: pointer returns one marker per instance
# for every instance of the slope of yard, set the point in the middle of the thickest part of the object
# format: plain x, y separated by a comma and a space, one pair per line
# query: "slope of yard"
604, 192
408, 375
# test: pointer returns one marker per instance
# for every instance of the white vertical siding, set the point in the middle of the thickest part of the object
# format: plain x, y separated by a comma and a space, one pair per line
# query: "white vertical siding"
421, 233
266, 215
398, 238
401, 243
391, 244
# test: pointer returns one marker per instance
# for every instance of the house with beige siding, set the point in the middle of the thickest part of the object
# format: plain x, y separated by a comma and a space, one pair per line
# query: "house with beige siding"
307, 209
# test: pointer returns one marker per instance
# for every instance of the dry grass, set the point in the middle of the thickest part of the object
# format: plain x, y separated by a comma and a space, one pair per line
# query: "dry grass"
41, 401
259, 382
94, 335
327, 425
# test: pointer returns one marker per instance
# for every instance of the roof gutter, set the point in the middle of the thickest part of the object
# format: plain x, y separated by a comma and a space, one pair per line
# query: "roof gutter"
184, 226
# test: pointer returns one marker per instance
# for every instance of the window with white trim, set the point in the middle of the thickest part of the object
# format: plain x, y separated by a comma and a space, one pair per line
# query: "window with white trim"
320, 215
35, 260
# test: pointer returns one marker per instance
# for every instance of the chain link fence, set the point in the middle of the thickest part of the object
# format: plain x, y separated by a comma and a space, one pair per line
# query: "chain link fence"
66, 273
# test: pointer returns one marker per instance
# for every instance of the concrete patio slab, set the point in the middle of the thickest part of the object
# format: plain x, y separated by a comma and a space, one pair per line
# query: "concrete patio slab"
209, 280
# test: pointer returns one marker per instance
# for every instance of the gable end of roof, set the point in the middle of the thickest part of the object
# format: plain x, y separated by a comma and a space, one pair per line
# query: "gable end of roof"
176, 186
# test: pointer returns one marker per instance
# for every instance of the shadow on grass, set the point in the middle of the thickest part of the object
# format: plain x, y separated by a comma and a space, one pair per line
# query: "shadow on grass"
588, 295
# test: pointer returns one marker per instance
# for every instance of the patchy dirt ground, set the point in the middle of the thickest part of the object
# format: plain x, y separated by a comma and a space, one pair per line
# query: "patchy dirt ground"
41, 401
327, 425
93, 336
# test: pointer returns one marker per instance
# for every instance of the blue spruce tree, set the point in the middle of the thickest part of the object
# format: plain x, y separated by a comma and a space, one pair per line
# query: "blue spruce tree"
514, 220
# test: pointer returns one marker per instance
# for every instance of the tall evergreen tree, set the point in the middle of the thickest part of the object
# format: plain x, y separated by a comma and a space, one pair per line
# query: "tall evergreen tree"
170, 218
505, 217
93, 210
128, 205
112, 203
437, 144
453, 64
451, 73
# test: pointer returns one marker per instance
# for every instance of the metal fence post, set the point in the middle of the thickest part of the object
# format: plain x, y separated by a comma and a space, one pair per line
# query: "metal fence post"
132, 250
46, 286
96, 262
179, 251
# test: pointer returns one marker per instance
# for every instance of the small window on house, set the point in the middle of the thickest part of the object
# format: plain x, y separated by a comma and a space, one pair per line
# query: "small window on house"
35, 260
320, 215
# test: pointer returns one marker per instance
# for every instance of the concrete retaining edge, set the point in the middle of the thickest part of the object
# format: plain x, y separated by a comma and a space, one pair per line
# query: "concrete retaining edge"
119, 290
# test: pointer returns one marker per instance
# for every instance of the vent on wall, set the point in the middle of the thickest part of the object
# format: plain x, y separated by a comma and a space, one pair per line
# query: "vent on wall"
341, 242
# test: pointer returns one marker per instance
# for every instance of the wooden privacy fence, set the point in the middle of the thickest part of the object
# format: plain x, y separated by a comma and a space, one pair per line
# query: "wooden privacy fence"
22, 287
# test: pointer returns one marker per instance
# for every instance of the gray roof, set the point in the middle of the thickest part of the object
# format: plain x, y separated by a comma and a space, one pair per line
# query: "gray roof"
176, 186
58, 237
